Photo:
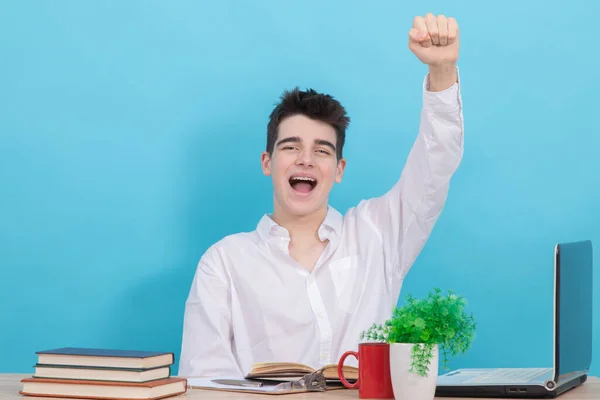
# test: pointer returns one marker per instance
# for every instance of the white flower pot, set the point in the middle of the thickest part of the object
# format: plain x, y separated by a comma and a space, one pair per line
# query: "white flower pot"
409, 385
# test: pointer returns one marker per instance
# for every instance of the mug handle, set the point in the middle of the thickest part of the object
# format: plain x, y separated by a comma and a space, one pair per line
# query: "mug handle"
341, 371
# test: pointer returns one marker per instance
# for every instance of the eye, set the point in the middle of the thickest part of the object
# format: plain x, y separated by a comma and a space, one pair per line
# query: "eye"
289, 148
323, 151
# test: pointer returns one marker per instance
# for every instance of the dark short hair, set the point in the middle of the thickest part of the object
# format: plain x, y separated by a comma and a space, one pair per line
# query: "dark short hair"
314, 105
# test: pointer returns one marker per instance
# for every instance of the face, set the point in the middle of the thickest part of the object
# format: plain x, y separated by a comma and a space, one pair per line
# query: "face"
303, 165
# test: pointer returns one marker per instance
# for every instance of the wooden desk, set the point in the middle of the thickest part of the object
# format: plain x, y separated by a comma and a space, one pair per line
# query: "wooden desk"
10, 385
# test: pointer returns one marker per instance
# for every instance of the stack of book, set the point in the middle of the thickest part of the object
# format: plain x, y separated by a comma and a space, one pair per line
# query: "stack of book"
72, 372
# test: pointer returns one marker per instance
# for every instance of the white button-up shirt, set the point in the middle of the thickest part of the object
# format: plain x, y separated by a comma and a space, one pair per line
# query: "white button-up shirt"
251, 302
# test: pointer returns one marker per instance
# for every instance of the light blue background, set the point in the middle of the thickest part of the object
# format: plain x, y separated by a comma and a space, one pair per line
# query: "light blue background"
131, 133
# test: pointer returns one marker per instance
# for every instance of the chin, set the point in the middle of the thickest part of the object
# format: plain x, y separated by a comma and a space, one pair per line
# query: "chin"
302, 210
305, 204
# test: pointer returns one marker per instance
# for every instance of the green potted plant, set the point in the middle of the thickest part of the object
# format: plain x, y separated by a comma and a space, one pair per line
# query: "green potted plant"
416, 333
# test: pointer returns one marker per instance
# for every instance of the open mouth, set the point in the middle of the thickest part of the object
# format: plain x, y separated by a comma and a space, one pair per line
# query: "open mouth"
303, 184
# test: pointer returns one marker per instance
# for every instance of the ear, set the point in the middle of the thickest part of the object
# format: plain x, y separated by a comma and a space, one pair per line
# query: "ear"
265, 161
339, 173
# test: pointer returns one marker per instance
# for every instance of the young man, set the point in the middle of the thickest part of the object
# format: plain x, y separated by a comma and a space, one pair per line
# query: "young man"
308, 281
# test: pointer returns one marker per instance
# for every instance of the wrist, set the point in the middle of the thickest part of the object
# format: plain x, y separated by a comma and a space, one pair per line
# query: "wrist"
442, 76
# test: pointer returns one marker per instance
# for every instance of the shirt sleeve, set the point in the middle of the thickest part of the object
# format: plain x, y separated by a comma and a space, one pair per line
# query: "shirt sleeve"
207, 333
404, 217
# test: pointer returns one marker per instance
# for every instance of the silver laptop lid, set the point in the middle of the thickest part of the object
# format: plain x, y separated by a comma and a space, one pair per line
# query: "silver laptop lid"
573, 310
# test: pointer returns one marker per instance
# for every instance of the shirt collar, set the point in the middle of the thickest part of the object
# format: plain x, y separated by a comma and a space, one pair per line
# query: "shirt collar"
332, 224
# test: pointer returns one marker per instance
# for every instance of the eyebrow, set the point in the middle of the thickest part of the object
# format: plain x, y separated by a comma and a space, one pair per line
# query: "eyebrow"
296, 139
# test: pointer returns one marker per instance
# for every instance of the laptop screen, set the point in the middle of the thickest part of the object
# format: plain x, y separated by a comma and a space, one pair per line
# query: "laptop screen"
574, 314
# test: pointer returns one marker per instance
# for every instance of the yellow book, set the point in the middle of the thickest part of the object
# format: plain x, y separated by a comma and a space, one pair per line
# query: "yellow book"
291, 371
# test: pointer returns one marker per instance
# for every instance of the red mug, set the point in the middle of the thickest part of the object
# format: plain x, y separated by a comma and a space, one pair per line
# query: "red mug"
374, 378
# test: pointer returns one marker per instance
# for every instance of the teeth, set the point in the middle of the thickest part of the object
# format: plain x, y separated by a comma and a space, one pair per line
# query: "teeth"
303, 178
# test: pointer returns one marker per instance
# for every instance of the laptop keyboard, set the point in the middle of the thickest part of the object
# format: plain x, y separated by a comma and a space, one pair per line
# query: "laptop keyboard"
508, 375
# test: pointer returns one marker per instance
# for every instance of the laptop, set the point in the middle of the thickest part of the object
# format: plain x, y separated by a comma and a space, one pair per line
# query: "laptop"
572, 340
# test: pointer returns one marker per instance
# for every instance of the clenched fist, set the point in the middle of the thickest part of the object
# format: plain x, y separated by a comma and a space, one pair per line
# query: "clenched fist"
434, 39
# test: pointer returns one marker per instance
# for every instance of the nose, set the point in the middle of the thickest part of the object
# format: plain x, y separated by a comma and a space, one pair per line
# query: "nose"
305, 158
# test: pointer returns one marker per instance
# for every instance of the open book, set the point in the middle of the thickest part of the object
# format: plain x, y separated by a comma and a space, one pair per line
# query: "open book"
291, 371
276, 378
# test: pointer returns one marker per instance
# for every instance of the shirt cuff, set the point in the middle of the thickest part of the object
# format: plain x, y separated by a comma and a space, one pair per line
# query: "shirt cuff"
446, 100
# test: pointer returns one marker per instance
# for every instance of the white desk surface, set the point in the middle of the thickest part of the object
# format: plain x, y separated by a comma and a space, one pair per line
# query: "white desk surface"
10, 385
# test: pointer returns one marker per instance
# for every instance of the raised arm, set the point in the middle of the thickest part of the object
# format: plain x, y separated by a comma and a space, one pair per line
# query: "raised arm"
404, 217
206, 343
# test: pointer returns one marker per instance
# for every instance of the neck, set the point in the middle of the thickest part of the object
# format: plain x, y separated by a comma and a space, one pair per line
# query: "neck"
303, 227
